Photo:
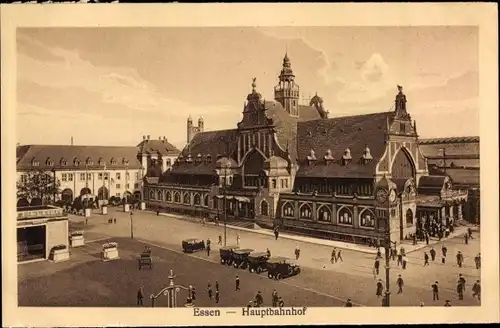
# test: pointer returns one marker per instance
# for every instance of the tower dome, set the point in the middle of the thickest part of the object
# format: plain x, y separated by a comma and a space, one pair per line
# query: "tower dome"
286, 92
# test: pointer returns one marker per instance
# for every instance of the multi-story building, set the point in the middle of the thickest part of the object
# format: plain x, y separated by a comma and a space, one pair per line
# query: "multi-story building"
157, 155
289, 165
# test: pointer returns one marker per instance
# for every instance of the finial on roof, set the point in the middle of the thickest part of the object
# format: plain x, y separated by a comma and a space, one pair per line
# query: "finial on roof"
415, 126
254, 84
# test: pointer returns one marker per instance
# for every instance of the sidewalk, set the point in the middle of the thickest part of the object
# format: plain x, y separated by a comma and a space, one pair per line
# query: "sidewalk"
331, 243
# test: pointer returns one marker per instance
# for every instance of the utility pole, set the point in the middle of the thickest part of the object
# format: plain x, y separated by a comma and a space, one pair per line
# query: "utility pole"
225, 207
444, 159
131, 225
387, 258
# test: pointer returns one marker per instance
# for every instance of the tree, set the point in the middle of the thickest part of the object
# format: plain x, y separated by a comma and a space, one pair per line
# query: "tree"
38, 184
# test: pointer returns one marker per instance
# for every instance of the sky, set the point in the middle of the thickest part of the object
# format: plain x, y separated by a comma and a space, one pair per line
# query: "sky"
111, 86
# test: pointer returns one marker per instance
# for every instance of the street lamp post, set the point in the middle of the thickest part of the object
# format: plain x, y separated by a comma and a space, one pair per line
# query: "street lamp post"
387, 258
444, 159
131, 225
225, 206
170, 291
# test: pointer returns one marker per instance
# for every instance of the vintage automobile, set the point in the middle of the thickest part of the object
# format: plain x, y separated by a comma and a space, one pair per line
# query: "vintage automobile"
145, 260
240, 257
192, 245
257, 262
226, 254
281, 267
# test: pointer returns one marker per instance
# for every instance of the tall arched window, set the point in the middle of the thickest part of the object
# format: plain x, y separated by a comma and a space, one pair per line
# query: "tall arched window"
367, 219
152, 194
177, 197
160, 194
186, 198
168, 196
305, 212
324, 213
409, 218
344, 216
264, 208
197, 199
205, 200
288, 210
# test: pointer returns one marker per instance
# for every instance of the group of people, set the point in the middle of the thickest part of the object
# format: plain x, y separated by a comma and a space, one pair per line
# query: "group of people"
336, 256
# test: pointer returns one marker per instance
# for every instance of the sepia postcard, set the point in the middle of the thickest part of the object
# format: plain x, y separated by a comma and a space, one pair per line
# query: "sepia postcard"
249, 164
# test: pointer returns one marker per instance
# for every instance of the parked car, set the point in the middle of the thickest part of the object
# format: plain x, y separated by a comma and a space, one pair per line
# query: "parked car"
257, 262
226, 254
281, 267
192, 245
240, 257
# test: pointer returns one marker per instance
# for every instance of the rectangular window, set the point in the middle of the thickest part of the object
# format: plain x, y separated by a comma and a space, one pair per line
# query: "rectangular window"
282, 183
64, 177
127, 186
136, 185
99, 176
106, 176
82, 176
118, 194
274, 183
286, 183
118, 186
127, 176
402, 127
70, 176
169, 162
118, 176
89, 176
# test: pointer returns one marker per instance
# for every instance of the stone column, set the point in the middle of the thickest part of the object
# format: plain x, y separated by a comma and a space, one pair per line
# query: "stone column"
334, 214
296, 210
314, 214
355, 219
459, 211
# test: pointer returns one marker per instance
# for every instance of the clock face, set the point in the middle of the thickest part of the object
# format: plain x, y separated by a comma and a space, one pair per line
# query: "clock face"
392, 196
381, 196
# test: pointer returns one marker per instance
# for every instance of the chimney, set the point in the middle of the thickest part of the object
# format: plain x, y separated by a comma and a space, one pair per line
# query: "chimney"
71, 141
149, 136
143, 138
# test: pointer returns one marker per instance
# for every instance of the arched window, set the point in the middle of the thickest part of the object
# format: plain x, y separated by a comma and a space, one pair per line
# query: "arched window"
367, 219
169, 196
345, 216
305, 212
324, 214
197, 199
160, 194
288, 210
186, 198
409, 218
151, 194
177, 197
264, 208
205, 200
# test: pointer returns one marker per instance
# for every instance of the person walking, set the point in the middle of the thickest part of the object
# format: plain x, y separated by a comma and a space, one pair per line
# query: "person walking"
208, 246
220, 240
268, 253
466, 238
275, 298
426, 259
209, 290
476, 290
444, 250
339, 256
297, 252
377, 265
460, 291
461, 279
237, 283
477, 261
469, 231
203, 221
403, 251
426, 238
281, 303
400, 258
140, 296
217, 296
435, 291
380, 288
433, 253
237, 239
259, 299
216, 285
400, 284
276, 233
460, 259
405, 262
348, 303
333, 258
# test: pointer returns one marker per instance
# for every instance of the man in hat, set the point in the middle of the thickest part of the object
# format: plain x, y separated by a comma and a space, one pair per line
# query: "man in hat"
476, 290
466, 238
460, 290
216, 285
333, 258
259, 299
433, 253
380, 288
377, 266
460, 259
461, 279
435, 291
477, 261
217, 297
348, 303
140, 296
209, 290
400, 284
426, 259
275, 298
444, 250
237, 283
208, 246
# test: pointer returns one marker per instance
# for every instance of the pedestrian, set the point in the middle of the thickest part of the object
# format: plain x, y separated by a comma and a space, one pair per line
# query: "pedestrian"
460, 291
259, 299
157, 211
209, 291
217, 296
433, 253
348, 303
380, 288
250, 304
275, 298
297, 252
400, 284
208, 247
140, 296
460, 259
466, 238
339, 256
237, 238
216, 285
444, 250
377, 265
426, 259
237, 283
476, 290
276, 233
393, 254
403, 251
203, 221
268, 253
414, 239
461, 279
379, 254
469, 231
334, 256
435, 291
193, 294
86, 221
220, 240
374, 271
477, 260
400, 258
426, 238
114, 220
281, 303
405, 262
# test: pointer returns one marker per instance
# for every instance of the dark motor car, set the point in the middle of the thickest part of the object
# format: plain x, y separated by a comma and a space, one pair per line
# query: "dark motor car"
257, 262
192, 245
281, 267
226, 254
240, 257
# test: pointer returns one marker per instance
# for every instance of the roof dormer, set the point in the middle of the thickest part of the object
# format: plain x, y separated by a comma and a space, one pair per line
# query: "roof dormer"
100, 161
346, 158
63, 162
189, 159
89, 161
208, 159
311, 157
125, 161
367, 156
35, 162
113, 161
76, 161
199, 158
49, 162
328, 156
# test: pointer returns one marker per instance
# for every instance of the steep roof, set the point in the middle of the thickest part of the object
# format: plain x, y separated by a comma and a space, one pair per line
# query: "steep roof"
431, 184
337, 134
161, 146
60, 153
449, 140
